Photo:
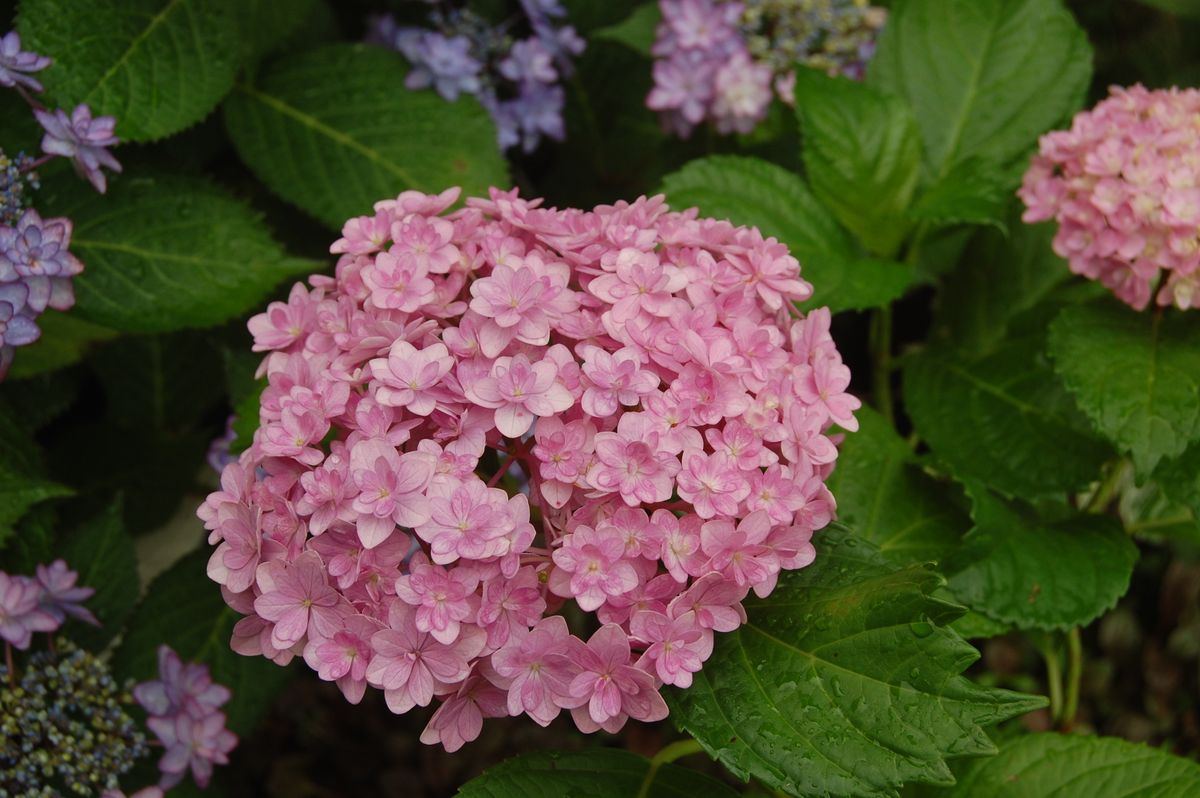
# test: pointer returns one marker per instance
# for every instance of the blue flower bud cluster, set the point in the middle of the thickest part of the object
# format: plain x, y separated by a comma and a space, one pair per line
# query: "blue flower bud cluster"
514, 67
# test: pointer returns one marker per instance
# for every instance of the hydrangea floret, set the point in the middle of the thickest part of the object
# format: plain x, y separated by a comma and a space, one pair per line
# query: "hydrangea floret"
723, 61
36, 265
515, 68
1123, 184
493, 411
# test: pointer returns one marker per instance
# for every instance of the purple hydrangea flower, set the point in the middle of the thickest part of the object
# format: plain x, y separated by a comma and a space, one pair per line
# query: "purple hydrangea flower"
20, 615
83, 139
15, 65
445, 63
180, 688
529, 62
192, 742
37, 248
60, 596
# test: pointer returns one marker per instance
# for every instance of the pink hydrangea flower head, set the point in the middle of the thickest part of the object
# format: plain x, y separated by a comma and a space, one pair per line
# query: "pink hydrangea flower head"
1123, 184
491, 413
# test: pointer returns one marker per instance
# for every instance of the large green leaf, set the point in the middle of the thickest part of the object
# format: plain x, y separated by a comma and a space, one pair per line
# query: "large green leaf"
1149, 512
973, 192
888, 500
984, 77
999, 277
862, 156
1003, 419
1034, 573
594, 773
158, 66
1180, 478
754, 192
102, 552
22, 480
184, 609
65, 339
1065, 766
334, 130
844, 681
165, 253
1137, 375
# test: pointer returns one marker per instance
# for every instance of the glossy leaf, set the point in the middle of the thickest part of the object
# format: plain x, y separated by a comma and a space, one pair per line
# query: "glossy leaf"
844, 681
595, 773
166, 253
973, 192
158, 66
861, 155
1003, 419
888, 500
754, 192
1137, 375
184, 610
101, 550
1034, 573
998, 278
984, 78
1063, 766
65, 339
334, 130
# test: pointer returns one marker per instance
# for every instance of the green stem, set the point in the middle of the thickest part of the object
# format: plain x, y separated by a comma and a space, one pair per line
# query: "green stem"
1108, 488
666, 755
1054, 679
1074, 677
881, 356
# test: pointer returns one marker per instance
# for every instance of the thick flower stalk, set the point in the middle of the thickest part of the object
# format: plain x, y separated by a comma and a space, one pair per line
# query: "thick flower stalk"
515, 68
1124, 186
723, 61
490, 412
36, 265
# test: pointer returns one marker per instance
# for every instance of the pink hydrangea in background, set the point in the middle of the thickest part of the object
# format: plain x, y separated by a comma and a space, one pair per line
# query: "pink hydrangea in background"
723, 61
1124, 186
492, 411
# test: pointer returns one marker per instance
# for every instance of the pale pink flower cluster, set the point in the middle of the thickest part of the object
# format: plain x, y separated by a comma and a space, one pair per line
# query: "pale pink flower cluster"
1124, 186
489, 412
184, 708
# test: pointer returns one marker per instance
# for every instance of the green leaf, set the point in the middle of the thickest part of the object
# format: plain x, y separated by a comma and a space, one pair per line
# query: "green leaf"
888, 500
184, 609
844, 681
1149, 513
974, 192
1061, 766
245, 419
1018, 568
1003, 419
636, 31
754, 192
165, 383
165, 253
263, 24
1182, 8
587, 16
158, 66
998, 278
862, 156
984, 78
1136, 375
594, 773
102, 552
1180, 478
66, 338
22, 480
334, 130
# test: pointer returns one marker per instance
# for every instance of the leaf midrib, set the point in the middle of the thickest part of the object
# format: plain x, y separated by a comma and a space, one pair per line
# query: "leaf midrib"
155, 21
316, 125
960, 119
